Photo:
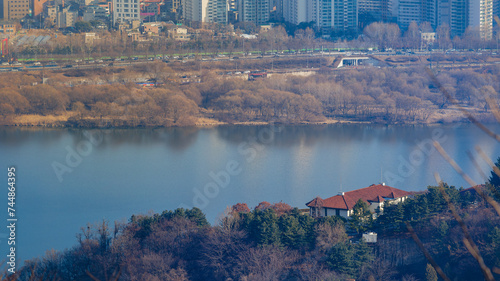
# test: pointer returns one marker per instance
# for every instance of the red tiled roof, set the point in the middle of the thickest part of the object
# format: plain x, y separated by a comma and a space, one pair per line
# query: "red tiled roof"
378, 199
316, 202
373, 193
473, 189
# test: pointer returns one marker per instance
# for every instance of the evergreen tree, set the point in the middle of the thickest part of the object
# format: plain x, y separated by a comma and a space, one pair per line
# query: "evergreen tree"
494, 182
347, 258
363, 255
341, 259
423, 209
494, 237
292, 234
398, 217
264, 228
197, 216
436, 200
361, 218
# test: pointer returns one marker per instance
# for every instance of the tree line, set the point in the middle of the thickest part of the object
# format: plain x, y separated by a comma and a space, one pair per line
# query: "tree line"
282, 37
371, 94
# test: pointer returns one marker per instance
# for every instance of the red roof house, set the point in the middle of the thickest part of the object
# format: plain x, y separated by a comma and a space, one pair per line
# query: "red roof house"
342, 204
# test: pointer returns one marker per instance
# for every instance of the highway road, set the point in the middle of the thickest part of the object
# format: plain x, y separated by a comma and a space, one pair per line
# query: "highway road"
78, 64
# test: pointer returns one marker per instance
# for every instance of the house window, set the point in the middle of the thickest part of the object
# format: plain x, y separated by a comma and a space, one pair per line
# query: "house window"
326, 212
337, 212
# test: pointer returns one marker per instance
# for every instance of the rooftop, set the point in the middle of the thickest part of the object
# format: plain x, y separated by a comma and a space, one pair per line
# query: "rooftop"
346, 201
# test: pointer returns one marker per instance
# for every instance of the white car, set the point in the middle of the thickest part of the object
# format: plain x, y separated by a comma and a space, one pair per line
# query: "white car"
37, 63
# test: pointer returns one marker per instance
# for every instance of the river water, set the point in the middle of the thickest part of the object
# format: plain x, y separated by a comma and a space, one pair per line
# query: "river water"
67, 178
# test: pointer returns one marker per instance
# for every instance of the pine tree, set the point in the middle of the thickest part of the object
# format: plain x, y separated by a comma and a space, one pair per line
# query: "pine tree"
341, 259
494, 182
361, 218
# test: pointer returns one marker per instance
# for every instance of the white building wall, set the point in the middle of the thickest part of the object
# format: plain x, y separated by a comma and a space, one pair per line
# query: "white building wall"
408, 11
126, 10
481, 17
295, 11
215, 11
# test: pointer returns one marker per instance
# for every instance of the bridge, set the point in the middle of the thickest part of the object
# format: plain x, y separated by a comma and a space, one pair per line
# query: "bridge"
348, 61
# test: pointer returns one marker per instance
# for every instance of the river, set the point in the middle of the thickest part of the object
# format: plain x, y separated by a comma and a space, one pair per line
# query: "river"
67, 178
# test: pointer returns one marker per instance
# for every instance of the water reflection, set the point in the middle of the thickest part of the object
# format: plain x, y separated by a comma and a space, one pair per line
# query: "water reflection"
174, 138
136, 170
182, 138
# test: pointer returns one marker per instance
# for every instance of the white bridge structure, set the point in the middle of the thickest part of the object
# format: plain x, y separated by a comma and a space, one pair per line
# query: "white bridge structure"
349, 61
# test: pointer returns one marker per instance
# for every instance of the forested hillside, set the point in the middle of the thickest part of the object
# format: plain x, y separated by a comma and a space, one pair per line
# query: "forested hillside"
277, 242
382, 95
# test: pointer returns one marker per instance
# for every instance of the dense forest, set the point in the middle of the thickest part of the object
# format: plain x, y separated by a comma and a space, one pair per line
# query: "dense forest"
278, 242
105, 98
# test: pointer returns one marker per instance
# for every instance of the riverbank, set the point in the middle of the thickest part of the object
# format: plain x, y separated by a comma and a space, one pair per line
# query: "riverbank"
369, 95
69, 119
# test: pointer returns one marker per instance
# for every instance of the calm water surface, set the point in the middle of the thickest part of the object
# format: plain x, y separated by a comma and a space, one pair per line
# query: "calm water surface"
67, 178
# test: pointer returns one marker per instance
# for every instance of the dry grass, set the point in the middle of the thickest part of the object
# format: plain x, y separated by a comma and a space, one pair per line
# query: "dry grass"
41, 120
202, 121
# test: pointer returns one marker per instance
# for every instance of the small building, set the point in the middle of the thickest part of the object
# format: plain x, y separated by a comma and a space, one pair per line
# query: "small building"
265, 27
179, 34
51, 12
427, 38
152, 28
342, 205
66, 18
135, 36
8, 28
370, 237
95, 12
90, 37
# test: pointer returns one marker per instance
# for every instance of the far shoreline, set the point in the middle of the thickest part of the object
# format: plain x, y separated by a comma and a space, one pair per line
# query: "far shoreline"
56, 123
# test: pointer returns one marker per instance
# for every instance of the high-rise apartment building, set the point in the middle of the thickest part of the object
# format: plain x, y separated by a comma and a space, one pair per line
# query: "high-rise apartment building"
409, 11
256, 11
458, 17
205, 10
429, 11
418, 11
328, 15
373, 11
322, 14
15, 9
126, 11
496, 11
296, 11
481, 17
345, 15
453, 13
